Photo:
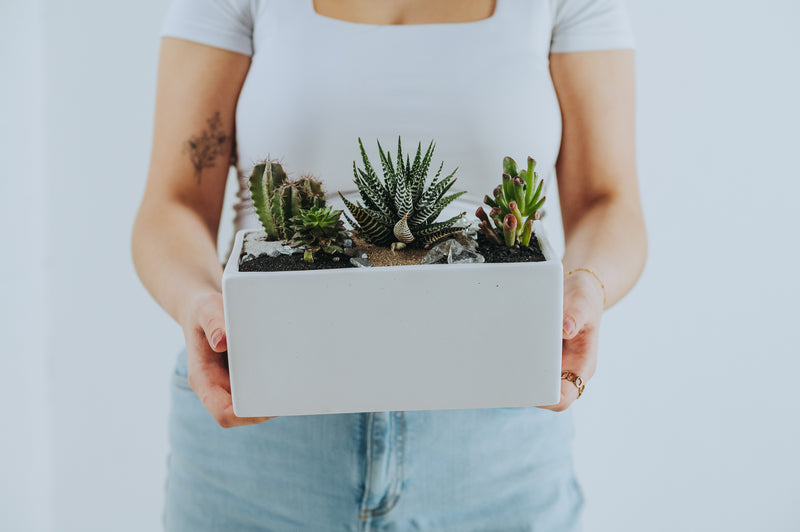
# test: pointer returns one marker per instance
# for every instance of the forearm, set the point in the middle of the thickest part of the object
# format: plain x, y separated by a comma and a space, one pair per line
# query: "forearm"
175, 255
608, 238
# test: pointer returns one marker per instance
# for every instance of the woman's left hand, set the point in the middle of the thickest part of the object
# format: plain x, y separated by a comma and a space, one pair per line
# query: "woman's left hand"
583, 308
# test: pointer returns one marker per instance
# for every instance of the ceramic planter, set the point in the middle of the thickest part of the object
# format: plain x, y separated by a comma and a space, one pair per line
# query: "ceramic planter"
420, 337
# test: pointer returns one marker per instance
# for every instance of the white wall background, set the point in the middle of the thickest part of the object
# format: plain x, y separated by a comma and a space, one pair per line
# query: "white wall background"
26, 433
692, 420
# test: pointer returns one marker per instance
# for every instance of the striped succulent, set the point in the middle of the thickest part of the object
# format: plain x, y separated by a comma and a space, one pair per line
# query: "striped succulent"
277, 200
401, 209
516, 204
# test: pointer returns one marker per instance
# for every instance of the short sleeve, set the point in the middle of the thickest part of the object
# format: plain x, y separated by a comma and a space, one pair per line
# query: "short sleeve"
226, 24
586, 25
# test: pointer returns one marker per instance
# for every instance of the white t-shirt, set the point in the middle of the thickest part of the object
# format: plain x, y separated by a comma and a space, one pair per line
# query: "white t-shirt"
481, 90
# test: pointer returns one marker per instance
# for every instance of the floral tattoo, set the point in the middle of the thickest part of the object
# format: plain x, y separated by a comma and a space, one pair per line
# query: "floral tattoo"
205, 148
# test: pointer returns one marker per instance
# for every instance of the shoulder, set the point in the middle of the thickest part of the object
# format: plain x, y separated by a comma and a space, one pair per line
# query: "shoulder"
585, 25
226, 24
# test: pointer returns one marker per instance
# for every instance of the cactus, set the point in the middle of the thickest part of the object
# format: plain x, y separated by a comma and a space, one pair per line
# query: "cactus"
516, 204
400, 210
277, 200
318, 229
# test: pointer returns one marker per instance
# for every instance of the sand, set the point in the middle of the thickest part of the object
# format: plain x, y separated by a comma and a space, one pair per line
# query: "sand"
384, 256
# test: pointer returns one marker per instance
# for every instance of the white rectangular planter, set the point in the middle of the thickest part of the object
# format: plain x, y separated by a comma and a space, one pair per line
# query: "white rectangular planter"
377, 339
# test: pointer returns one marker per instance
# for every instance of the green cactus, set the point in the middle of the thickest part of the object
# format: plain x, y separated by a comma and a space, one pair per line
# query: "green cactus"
401, 210
318, 229
516, 204
277, 200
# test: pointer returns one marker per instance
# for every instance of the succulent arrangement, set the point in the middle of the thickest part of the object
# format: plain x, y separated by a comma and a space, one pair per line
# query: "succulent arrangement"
401, 209
427, 288
516, 204
396, 210
318, 229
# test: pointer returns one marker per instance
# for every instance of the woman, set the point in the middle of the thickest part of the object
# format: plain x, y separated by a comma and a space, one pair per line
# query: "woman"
300, 80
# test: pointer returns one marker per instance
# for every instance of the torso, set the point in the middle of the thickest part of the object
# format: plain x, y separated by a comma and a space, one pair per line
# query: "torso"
402, 12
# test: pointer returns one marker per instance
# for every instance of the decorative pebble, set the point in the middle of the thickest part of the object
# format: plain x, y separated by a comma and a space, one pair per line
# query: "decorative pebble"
360, 262
455, 253
256, 244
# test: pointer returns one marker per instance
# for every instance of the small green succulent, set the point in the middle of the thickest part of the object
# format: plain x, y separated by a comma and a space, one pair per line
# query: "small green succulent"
277, 200
400, 209
516, 204
318, 229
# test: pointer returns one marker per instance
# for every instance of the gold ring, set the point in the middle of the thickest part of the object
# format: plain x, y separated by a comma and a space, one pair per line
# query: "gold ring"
574, 379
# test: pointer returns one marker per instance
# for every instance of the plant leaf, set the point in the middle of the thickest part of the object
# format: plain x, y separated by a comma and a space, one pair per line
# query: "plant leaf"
372, 229
431, 211
403, 198
435, 227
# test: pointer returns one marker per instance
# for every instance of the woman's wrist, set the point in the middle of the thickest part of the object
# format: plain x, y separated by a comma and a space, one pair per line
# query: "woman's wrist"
596, 277
589, 284
189, 312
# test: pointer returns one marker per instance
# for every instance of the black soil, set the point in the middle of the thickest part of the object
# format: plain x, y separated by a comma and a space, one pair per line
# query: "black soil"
323, 261
287, 263
494, 253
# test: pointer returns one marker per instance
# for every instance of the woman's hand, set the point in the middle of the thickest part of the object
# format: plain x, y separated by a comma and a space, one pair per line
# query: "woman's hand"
204, 329
174, 239
583, 308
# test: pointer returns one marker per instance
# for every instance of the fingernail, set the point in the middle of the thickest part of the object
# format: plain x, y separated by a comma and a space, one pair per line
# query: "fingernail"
569, 326
216, 338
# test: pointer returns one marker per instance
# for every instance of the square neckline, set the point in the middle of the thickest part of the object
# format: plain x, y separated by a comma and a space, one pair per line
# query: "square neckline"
330, 20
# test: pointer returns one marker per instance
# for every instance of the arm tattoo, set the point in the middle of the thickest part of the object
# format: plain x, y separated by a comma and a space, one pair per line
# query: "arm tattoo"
205, 148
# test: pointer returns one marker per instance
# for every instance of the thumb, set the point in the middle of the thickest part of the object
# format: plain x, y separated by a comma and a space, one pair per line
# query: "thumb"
575, 317
212, 320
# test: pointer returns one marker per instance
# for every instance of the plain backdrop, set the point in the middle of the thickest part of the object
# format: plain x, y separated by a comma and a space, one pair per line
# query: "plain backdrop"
692, 421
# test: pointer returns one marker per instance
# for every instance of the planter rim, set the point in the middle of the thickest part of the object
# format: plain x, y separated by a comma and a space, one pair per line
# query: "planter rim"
232, 266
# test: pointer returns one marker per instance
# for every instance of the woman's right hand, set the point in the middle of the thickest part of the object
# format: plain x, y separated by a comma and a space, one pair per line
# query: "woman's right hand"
206, 347
174, 238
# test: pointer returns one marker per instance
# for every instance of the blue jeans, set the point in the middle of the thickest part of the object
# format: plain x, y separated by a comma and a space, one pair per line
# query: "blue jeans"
496, 469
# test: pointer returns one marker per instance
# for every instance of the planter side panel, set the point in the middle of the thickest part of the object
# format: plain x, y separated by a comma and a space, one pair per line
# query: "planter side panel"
407, 338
